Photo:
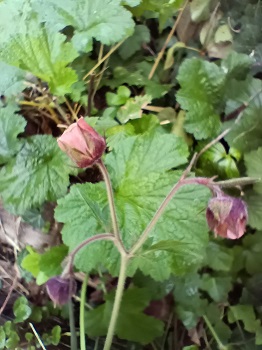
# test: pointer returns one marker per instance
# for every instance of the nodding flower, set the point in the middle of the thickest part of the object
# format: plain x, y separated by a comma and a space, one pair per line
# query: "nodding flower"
60, 290
227, 216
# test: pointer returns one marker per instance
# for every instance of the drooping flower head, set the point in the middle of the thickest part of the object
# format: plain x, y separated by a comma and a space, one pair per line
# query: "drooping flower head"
82, 144
60, 289
227, 216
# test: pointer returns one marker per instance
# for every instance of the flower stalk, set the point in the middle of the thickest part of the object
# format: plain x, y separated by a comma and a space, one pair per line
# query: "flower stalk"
111, 203
117, 302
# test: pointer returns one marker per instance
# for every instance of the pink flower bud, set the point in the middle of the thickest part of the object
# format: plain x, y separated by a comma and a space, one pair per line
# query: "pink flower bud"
227, 216
82, 144
60, 290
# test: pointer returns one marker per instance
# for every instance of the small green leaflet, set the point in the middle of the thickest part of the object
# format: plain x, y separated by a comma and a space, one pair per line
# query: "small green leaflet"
11, 125
39, 172
46, 265
106, 21
132, 324
21, 309
202, 85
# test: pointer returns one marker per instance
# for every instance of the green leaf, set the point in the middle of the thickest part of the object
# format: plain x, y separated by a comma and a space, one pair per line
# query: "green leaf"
21, 309
2, 338
12, 80
56, 335
158, 9
36, 314
106, 22
246, 314
50, 262
40, 172
132, 325
217, 161
254, 167
236, 65
140, 186
182, 254
12, 341
131, 3
254, 204
134, 43
29, 336
31, 262
133, 108
138, 75
33, 47
11, 125
200, 94
246, 132
200, 10
120, 98
218, 258
217, 287
189, 305
253, 253
84, 210
170, 53
118, 133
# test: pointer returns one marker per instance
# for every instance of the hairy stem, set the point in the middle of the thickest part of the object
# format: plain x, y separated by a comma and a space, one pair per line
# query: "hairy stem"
99, 237
161, 209
214, 334
118, 298
113, 49
73, 338
111, 203
82, 314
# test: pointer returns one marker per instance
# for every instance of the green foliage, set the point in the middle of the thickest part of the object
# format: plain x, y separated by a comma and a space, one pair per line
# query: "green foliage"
91, 20
254, 168
46, 265
132, 324
200, 94
12, 80
22, 310
133, 44
11, 125
246, 314
217, 161
155, 9
129, 161
46, 50
40, 172
246, 132
41, 51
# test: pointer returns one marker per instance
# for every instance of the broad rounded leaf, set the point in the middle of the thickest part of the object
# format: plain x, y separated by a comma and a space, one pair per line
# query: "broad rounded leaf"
132, 323
140, 186
35, 48
39, 172
106, 21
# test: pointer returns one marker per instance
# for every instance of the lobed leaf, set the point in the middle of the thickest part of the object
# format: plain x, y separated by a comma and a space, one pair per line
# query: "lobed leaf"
39, 172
